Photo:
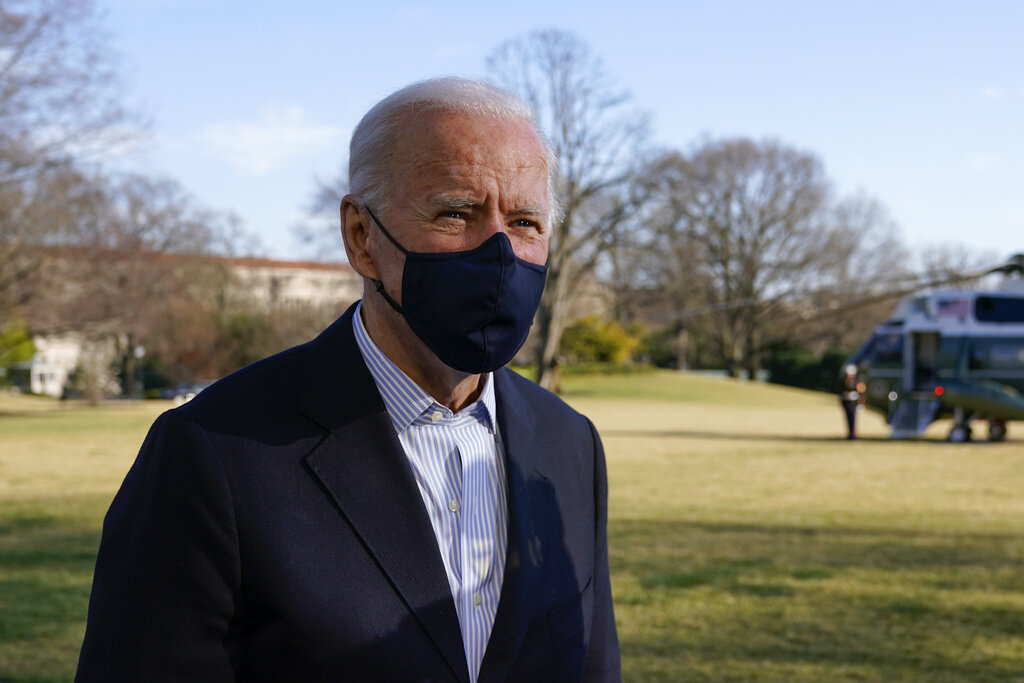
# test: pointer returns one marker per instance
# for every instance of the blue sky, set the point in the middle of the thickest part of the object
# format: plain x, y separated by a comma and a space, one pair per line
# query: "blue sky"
918, 104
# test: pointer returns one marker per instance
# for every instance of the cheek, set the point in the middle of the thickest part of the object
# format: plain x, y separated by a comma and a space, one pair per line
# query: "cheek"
389, 263
533, 251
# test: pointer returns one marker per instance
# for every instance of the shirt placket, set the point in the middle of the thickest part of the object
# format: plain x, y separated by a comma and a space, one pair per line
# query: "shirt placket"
454, 494
478, 518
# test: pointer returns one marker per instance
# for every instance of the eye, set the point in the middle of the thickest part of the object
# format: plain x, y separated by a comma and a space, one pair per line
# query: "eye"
457, 215
526, 223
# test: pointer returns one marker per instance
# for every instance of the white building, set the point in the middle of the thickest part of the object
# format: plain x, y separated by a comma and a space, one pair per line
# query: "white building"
56, 358
283, 283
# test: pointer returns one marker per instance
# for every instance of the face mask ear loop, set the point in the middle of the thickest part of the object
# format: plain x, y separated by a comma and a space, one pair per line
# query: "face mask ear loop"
377, 284
386, 233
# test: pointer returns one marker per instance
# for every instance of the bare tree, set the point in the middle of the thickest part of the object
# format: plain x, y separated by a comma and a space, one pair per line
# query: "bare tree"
750, 213
123, 260
59, 96
598, 137
948, 265
753, 211
668, 281
49, 213
863, 266
751, 235
319, 228
60, 104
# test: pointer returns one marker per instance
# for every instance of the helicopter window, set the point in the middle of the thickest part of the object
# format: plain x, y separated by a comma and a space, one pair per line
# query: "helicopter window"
1001, 355
999, 309
888, 349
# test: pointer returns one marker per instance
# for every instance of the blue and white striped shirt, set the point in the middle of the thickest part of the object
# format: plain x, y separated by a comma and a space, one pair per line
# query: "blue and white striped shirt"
458, 463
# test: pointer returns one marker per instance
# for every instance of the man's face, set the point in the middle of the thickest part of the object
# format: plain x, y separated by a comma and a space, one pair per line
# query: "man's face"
458, 180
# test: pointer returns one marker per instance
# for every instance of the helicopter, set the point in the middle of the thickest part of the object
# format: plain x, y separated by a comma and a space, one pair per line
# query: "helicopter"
951, 353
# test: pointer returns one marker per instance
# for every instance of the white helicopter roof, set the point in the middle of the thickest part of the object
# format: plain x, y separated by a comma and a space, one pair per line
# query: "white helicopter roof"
996, 311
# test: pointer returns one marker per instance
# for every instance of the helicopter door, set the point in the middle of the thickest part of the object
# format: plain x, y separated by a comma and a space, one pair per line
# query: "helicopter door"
925, 360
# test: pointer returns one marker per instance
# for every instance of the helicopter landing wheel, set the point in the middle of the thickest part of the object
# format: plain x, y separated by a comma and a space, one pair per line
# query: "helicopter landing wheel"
960, 434
997, 430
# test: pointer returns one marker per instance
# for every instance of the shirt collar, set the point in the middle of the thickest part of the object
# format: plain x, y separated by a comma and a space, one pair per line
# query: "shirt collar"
404, 399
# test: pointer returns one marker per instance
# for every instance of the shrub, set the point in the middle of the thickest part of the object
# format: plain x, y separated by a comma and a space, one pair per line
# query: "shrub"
592, 339
15, 346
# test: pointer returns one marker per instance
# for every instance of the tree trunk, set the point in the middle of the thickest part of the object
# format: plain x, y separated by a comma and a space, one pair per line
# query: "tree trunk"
550, 324
682, 349
128, 387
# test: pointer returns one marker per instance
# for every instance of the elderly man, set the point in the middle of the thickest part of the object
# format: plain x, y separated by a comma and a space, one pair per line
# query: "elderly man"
386, 502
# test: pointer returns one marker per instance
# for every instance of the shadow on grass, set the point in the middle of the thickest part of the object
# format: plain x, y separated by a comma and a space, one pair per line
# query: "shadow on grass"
46, 566
786, 603
818, 551
41, 606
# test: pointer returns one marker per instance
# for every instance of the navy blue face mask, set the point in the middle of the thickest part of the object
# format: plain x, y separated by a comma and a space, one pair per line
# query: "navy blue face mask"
472, 308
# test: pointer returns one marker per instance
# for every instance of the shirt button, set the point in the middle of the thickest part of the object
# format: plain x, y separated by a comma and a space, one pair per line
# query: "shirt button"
453, 505
435, 416
477, 599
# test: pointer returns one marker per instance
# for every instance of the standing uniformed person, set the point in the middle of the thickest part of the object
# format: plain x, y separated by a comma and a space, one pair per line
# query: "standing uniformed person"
851, 395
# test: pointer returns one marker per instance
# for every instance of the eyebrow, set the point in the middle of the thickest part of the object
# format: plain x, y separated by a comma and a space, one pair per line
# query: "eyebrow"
529, 211
452, 201
455, 201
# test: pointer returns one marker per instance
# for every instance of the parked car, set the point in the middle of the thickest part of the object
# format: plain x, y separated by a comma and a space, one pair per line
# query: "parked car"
185, 392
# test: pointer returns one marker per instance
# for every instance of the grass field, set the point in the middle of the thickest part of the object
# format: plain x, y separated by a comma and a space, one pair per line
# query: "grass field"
749, 542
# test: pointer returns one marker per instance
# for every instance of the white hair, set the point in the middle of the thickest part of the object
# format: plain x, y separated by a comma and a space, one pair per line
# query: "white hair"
369, 171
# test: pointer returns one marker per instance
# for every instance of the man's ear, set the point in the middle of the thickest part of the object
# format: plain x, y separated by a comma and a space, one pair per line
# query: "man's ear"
355, 232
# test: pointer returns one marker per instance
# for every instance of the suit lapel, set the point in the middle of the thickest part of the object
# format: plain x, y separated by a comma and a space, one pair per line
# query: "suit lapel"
523, 579
364, 470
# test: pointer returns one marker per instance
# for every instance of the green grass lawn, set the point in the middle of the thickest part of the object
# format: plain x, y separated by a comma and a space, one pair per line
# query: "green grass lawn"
749, 541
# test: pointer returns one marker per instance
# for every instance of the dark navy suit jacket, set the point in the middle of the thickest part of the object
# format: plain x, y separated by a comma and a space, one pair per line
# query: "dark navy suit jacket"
271, 530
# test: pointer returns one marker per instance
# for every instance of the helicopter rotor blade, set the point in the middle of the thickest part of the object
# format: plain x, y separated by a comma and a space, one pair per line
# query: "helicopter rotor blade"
1013, 266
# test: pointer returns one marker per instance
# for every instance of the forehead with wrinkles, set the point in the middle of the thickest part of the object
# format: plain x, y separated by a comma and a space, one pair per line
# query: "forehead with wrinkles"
452, 150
